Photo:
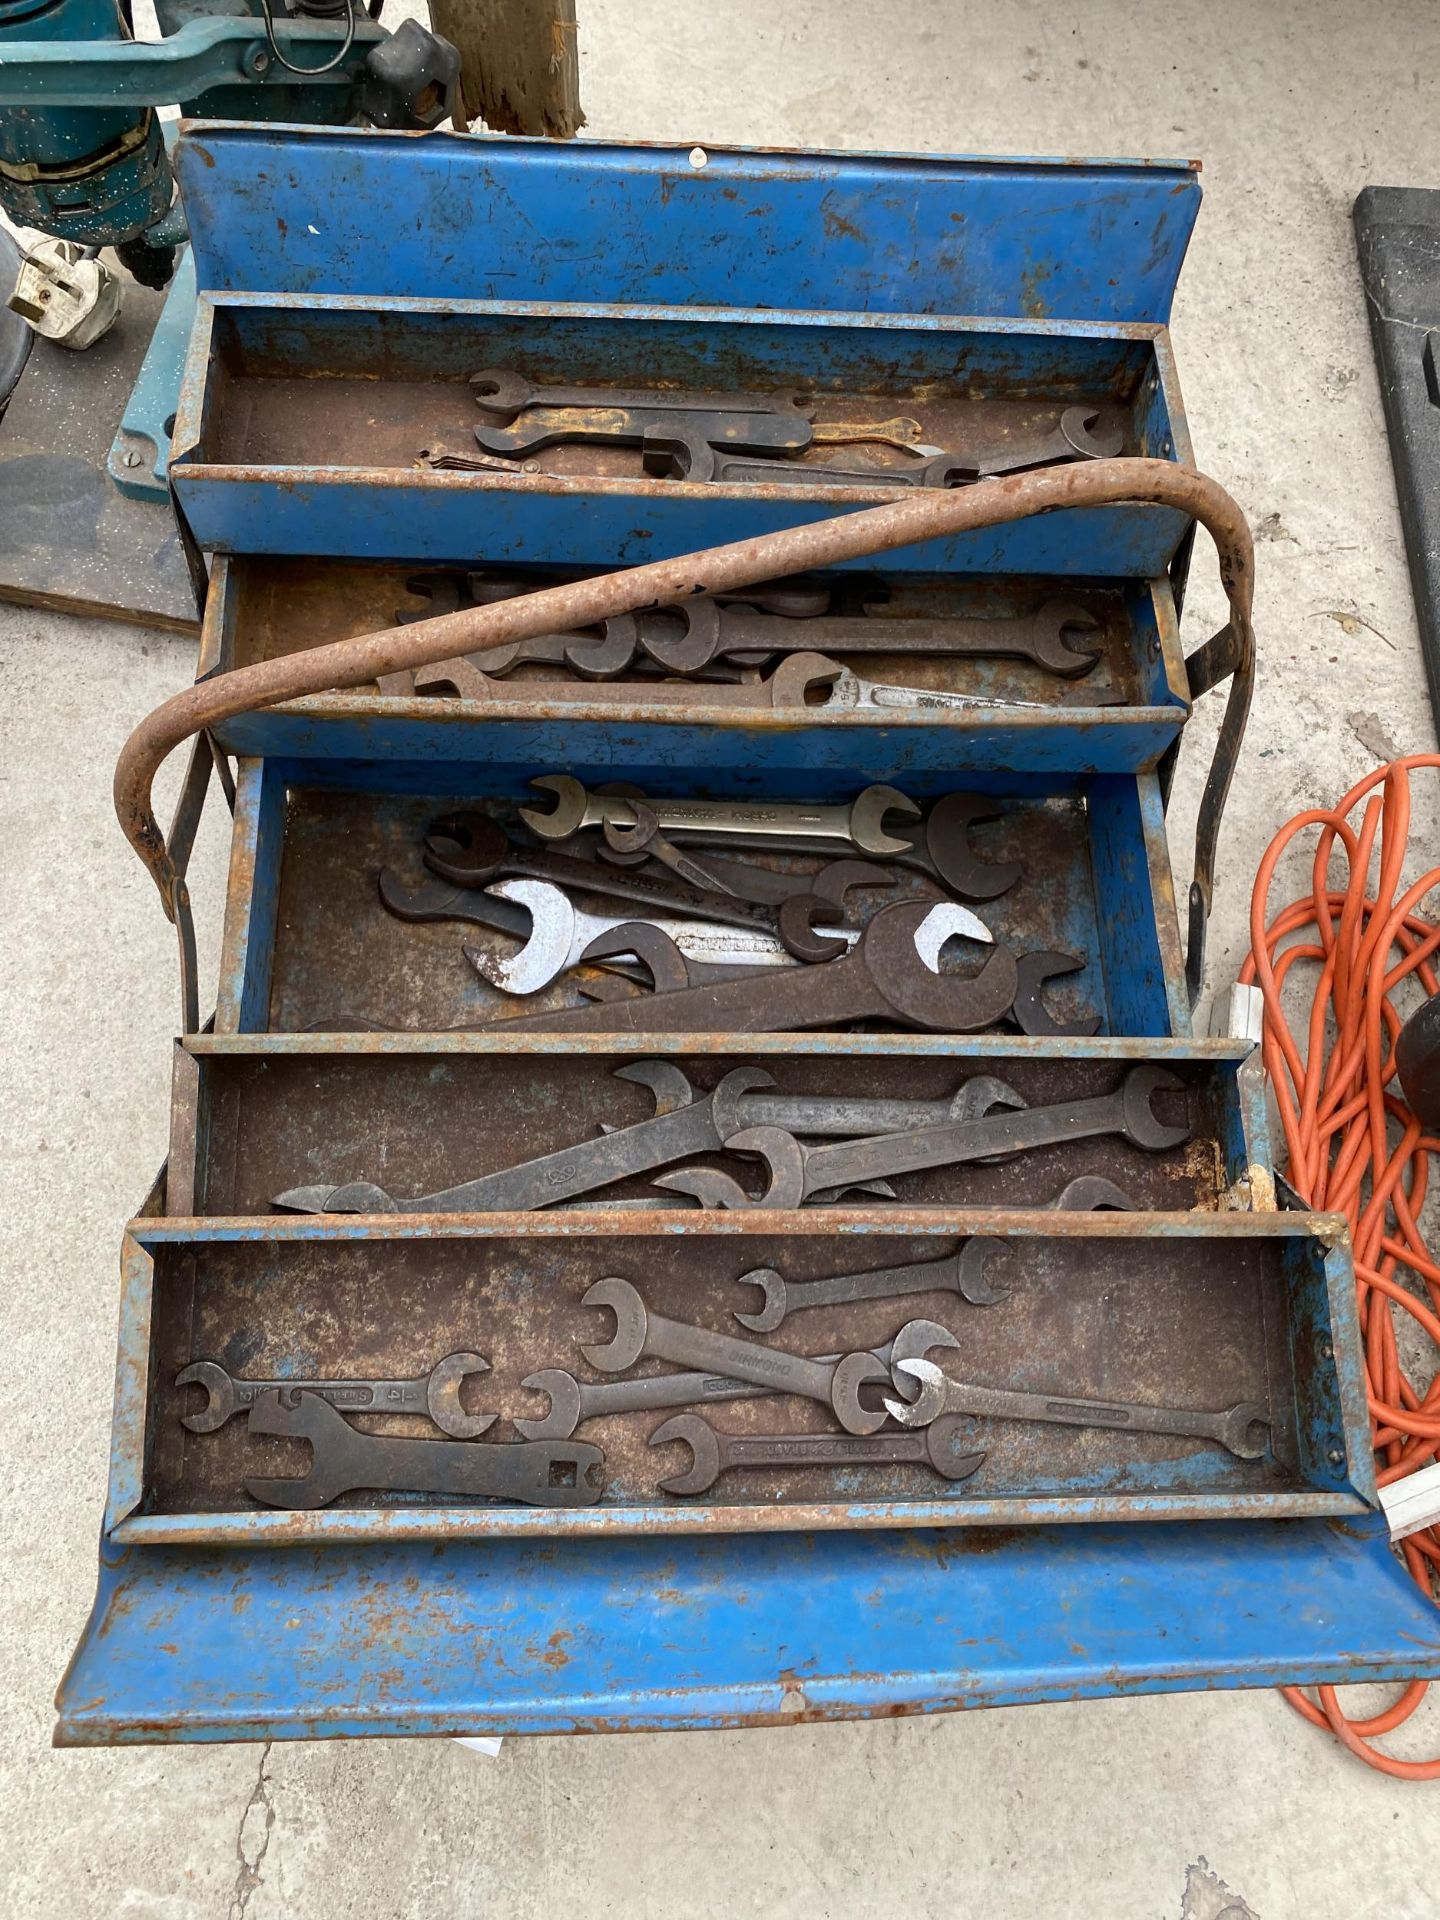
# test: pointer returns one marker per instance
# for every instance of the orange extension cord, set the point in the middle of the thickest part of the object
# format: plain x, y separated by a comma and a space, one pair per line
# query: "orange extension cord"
1340, 1116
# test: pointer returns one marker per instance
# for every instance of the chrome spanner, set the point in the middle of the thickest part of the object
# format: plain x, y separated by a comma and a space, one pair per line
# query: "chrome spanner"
574, 1401
961, 1273
944, 1447
640, 1334
861, 823
436, 1393
1240, 1429
560, 932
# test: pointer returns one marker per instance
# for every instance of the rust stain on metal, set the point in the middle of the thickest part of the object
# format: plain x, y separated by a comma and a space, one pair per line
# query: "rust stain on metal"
556, 1654
1262, 1188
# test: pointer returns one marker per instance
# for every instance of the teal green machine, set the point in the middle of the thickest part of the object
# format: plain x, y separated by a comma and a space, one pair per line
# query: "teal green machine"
83, 154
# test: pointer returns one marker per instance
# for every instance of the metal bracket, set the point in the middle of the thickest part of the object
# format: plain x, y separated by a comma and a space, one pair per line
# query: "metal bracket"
205, 759
215, 52
1225, 655
140, 453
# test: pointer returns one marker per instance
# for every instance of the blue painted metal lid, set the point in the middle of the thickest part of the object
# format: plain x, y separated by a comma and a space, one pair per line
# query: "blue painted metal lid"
460, 216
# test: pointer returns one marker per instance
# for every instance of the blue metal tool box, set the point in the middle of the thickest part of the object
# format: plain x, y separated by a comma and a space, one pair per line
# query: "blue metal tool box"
353, 280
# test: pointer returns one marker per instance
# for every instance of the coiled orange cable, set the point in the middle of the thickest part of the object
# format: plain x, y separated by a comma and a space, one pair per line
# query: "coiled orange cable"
1353, 1145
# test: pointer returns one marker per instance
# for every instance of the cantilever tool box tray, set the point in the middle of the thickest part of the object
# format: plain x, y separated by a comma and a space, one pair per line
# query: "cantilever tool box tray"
316, 427
1120, 716
979, 297
308, 944
1101, 1306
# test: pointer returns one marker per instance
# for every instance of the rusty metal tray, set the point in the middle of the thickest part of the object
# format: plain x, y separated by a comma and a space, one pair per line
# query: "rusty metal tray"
1191, 1309
303, 420
307, 943
264, 606
253, 1115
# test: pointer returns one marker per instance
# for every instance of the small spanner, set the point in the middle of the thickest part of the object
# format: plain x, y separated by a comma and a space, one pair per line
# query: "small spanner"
1081, 433
500, 393
562, 933
800, 676
544, 1473
1241, 1429
573, 1401
882, 976
944, 1447
640, 1334
797, 1170
708, 632
962, 1273
861, 823
1029, 1011
567, 1173
437, 1393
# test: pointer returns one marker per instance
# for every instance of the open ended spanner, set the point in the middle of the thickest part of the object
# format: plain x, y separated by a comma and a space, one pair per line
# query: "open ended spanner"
471, 849
738, 879
677, 456
1081, 433
436, 1393
707, 632
861, 823
675, 1135
943, 849
539, 416
573, 1401
961, 1273
539, 1473
836, 1115
561, 934
640, 1334
944, 1447
791, 690
797, 1170
1241, 1429
1029, 1011
883, 976
599, 657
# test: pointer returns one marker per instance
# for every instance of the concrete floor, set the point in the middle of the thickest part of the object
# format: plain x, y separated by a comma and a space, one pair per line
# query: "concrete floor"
1141, 1809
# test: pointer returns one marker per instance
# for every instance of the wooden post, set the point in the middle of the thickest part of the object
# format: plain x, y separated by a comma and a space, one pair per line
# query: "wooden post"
519, 63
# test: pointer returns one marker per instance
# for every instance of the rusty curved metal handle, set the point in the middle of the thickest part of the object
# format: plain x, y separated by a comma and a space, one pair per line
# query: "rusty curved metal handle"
925, 515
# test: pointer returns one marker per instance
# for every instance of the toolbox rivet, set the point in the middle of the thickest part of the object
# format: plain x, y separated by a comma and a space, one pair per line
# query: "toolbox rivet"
1335, 1457
699, 158
1327, 1352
